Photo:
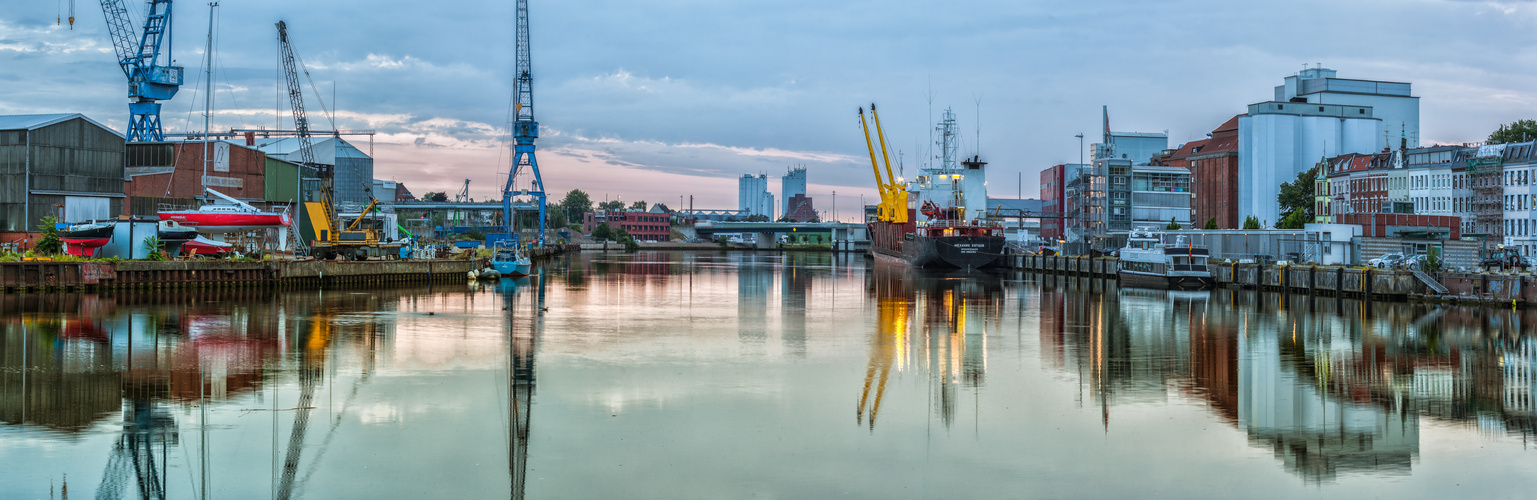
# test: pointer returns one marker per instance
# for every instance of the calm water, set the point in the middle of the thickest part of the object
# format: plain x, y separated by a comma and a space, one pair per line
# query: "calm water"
678, 375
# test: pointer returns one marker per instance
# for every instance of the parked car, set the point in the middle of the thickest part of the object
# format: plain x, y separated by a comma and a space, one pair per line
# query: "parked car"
1386, 260
1505, 259
1415, 262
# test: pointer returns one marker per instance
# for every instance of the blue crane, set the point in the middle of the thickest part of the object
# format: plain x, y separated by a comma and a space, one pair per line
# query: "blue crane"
524, 131
138, 53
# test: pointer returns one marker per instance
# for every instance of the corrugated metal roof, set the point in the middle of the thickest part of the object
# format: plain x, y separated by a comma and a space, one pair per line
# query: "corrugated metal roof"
34, 122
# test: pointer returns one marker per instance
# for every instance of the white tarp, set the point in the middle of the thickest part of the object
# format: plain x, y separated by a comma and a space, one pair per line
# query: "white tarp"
84, 208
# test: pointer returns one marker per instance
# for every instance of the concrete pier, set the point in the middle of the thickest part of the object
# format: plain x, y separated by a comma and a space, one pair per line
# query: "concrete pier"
1337, 281
135, 275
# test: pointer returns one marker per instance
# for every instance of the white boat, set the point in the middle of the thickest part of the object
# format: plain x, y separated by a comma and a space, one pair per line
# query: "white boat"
1149, 261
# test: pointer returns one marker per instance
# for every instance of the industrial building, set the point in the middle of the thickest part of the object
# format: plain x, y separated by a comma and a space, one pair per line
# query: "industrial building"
641, 224
353, 169
793, 183
1315, 115
1213, 164
753, 197
63, 165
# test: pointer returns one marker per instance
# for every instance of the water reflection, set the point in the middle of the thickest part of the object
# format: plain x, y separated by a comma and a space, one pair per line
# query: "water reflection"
661, 369
933, 321
1330, 386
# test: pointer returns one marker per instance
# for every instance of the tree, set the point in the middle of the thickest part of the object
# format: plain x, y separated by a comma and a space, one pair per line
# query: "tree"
1251, 222
437, 196
1296, 220
1297, 196
756, 218
1517, 131
611, 205
1211, 223
575, 204
50, 243
1173, 225
638, 205
603, 232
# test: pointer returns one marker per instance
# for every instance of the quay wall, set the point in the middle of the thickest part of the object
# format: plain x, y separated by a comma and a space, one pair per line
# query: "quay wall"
1498, 289
129, 275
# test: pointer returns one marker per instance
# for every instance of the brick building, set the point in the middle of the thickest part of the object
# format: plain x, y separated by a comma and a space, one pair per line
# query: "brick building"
643, 225
1052, 199
170, 174
1213, 165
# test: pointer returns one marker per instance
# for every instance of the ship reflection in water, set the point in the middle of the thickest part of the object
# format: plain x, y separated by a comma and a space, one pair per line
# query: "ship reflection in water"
933, 321
714, 374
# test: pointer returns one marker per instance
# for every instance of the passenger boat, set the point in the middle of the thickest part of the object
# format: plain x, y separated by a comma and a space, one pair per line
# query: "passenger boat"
233, 216
84, 237
510, 262
1148, 262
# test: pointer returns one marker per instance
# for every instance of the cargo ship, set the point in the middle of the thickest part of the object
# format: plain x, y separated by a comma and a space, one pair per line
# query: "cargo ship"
951, 198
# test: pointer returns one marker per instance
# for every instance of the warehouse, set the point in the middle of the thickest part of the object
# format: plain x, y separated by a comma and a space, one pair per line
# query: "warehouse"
63, 165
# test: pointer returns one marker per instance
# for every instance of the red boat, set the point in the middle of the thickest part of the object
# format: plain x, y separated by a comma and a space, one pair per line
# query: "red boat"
235, 217
85, 238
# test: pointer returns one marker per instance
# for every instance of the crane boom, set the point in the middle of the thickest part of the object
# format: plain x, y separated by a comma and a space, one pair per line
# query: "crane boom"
893, 206
149, 82
524, 130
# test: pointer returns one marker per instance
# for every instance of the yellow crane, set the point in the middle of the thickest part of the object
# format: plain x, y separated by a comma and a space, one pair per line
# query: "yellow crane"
893, 206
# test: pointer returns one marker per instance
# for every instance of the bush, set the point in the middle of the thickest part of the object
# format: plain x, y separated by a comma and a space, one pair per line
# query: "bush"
49, 244
1251, 222
1173, 225
1211, 223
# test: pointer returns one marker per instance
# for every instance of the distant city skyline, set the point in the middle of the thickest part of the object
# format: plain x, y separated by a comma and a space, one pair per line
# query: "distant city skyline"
659, 100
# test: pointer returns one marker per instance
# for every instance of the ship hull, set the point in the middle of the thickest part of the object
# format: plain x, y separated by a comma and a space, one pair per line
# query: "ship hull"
896, 244
1165, 282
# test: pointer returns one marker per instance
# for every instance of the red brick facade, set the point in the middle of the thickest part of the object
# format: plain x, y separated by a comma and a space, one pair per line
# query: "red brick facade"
1213, 165
244, 177
644, 226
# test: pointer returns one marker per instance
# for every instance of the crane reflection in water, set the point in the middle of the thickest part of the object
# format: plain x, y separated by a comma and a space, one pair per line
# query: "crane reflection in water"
933, 321
524, 299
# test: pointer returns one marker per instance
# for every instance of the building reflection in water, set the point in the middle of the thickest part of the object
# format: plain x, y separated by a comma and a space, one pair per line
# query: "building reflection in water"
71, 361
1330, 386
755, 282
932, 321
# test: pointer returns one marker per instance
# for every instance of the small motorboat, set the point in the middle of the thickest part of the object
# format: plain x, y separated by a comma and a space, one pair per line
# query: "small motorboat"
171, 232
204, 246
509, 261
84, 238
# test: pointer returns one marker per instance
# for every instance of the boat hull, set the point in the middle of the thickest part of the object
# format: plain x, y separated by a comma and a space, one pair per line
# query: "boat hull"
951, 252
1164, 282
226, 222
512, 269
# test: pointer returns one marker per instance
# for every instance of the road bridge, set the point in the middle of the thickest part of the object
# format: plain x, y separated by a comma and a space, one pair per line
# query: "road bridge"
844, 236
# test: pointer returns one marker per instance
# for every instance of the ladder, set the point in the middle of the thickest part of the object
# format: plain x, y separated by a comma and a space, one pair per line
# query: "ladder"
1429, 281
296, 238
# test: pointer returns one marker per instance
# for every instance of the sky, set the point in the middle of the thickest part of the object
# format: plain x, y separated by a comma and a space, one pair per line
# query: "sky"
664, 99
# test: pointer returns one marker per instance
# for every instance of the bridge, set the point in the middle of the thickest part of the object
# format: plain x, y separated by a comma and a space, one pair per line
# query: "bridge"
844, 235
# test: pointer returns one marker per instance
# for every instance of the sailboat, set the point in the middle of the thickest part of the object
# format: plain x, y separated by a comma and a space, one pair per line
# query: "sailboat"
231, 216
